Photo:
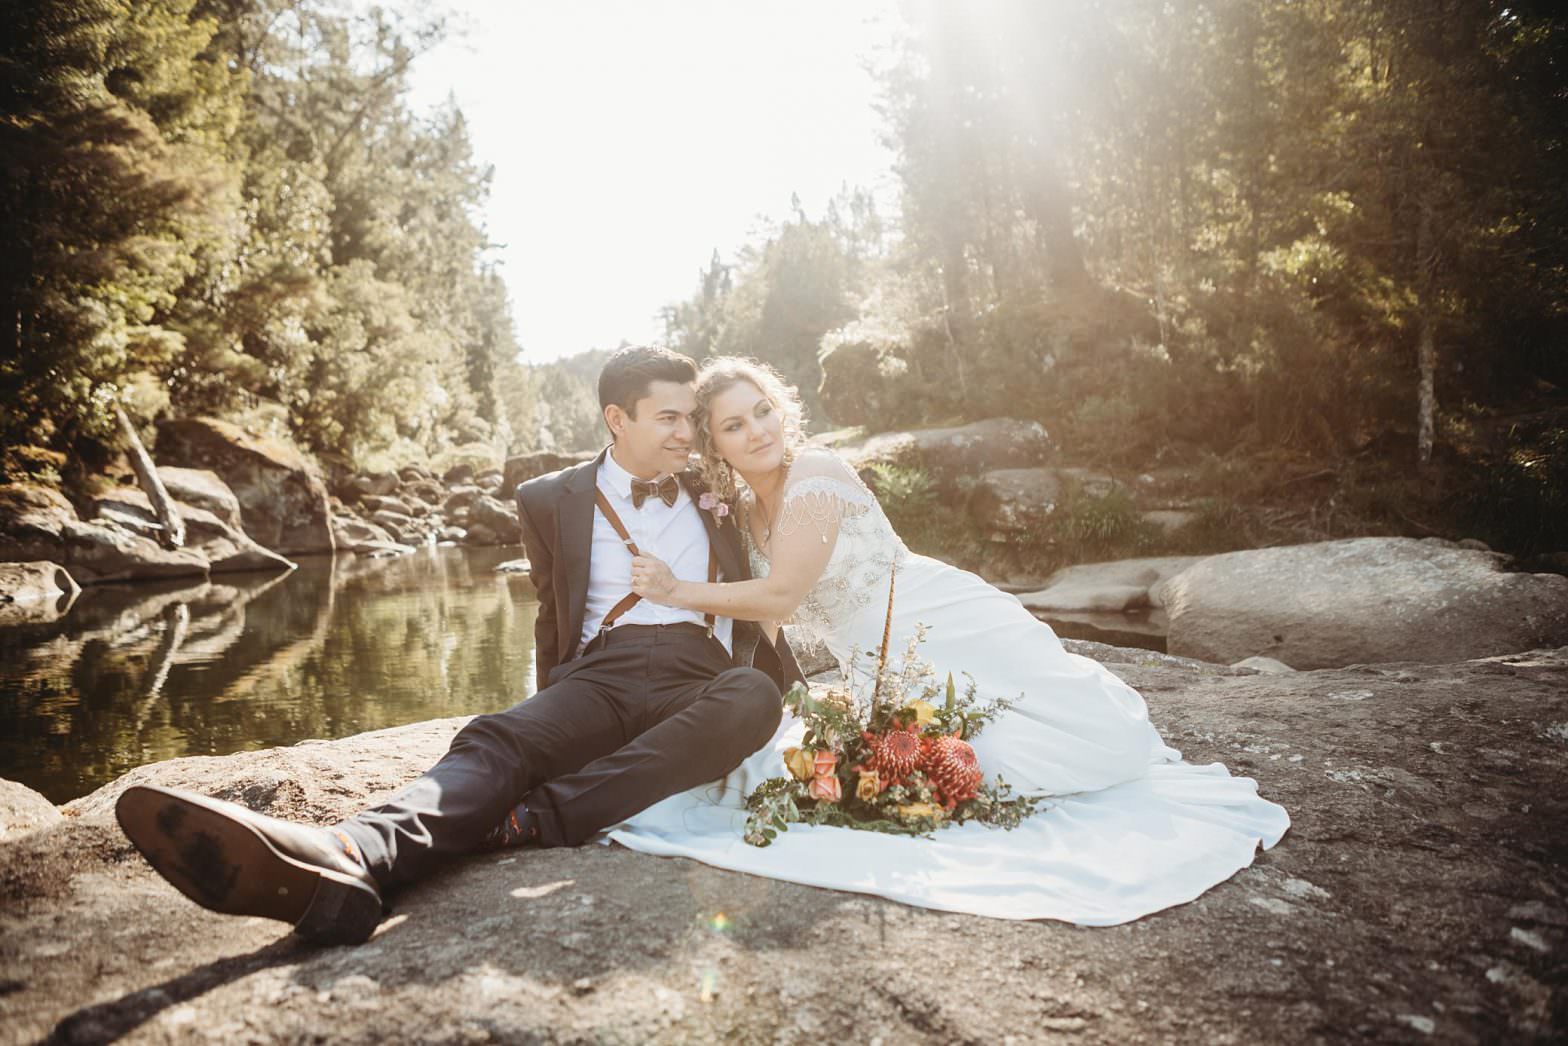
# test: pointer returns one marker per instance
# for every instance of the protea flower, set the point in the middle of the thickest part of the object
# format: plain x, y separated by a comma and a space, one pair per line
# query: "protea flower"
894, 755
953, 769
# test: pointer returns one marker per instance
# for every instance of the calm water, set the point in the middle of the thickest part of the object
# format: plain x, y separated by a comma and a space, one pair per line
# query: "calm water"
139, 673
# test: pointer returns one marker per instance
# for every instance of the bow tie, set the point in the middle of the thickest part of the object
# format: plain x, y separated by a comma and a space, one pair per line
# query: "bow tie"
665, 488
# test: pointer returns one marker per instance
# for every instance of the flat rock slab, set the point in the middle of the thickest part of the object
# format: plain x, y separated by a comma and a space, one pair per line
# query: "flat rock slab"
1361, 600
1120, 584
1419, 897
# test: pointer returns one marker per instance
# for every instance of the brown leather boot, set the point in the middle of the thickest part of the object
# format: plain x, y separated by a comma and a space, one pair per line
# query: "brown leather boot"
238, 862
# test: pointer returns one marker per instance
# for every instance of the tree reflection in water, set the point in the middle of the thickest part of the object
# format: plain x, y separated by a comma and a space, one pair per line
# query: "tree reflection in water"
135, 674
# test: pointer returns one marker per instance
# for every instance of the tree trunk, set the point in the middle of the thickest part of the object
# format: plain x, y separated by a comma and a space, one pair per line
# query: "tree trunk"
163, 506
955, 310
1054, 218
1426, 353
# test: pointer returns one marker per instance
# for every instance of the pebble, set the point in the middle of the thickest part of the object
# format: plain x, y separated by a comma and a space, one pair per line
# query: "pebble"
1302, 888
1530, 939
1424, 1025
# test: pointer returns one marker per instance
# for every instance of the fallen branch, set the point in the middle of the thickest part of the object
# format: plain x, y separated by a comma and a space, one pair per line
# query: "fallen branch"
163, 506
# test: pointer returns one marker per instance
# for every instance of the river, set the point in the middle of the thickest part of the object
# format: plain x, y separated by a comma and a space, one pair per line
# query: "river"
139, 673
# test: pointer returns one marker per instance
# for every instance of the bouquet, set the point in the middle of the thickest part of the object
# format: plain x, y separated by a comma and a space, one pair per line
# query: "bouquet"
897, 760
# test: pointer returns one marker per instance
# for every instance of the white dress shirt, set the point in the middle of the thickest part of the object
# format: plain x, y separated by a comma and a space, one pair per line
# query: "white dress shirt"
673, 533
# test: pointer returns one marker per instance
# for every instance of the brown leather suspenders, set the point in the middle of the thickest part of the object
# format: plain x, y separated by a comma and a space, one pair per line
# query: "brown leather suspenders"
631, 598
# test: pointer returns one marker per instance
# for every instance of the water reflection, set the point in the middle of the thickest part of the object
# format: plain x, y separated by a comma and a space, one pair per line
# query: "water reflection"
135, 674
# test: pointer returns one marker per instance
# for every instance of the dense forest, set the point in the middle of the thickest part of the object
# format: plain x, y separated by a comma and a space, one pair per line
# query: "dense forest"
1323, 236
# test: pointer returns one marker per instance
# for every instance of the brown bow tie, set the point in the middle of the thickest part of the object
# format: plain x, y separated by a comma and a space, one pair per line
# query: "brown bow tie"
665, 488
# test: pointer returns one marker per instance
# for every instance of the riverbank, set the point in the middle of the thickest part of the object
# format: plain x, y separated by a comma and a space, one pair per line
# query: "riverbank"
1420, 896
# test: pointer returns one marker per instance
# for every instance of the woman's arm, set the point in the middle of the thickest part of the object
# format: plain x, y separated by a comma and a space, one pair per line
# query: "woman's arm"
798, 556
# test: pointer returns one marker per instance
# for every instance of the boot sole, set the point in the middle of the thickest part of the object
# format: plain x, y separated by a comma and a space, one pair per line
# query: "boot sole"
228, 866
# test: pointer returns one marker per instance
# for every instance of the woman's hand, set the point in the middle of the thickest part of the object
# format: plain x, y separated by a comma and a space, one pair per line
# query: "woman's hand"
652, 579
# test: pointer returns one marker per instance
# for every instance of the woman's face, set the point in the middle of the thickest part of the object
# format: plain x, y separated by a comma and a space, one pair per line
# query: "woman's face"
748, 432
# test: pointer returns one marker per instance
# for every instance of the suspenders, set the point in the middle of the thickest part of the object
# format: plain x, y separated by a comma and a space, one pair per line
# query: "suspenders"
631, 598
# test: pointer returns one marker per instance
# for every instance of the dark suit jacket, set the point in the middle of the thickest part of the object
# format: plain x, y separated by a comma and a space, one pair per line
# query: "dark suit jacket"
556, 512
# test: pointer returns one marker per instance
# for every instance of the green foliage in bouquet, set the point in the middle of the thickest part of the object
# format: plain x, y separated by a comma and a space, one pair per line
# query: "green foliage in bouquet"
898, 761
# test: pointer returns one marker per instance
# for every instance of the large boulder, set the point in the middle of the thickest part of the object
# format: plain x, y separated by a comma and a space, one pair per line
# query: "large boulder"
1123, 584
203, 489
37, 523
374, 503
460, 496
956, 458
34, 592
428, 491
1361, 600
525, 467
356, 535
222, 543
23, 810
1007, 503
375, 484
497, 517
1418, 897
31, 519
104, 550
281, 497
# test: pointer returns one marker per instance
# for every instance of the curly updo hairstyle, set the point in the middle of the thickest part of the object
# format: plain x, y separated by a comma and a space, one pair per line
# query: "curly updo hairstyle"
725, 372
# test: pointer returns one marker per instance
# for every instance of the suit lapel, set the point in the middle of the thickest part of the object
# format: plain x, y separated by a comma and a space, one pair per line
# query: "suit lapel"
724, 536
574, 526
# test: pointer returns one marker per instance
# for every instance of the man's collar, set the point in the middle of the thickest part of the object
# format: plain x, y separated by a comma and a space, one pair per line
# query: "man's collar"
616, 478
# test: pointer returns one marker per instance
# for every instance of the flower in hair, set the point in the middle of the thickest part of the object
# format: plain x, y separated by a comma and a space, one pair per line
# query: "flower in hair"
710, 502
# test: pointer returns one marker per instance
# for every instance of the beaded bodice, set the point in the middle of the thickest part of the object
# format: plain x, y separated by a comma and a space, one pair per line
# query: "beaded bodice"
822, 489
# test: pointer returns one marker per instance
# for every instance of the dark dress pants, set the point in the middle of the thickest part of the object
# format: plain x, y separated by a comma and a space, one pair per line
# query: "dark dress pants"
648, 712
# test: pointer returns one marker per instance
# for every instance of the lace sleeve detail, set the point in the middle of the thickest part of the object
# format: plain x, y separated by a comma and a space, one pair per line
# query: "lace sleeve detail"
821, 491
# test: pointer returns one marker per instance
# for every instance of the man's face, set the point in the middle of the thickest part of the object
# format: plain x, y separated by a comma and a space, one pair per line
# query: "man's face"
657, 436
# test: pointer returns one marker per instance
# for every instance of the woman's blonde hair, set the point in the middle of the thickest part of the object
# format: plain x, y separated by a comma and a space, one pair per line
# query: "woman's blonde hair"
725, 372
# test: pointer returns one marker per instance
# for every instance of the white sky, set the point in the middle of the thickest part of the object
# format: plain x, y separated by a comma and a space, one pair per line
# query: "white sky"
632, 137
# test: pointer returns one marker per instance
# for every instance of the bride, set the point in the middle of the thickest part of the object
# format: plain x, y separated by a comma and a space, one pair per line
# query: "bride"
1129, 829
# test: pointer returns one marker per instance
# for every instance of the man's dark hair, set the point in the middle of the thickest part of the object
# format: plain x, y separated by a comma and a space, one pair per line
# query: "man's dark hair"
628, 374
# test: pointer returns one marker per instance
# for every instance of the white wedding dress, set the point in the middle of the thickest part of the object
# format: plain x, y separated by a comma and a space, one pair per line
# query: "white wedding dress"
1130, 828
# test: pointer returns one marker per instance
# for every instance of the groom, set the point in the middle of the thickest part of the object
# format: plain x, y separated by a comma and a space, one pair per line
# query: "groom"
636, 701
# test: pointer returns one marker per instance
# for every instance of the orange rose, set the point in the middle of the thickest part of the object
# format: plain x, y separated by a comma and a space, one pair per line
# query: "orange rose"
799, 762
868, 787
827, 789
824, 762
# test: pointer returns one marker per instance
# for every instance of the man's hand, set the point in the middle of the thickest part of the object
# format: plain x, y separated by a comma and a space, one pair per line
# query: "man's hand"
652, 579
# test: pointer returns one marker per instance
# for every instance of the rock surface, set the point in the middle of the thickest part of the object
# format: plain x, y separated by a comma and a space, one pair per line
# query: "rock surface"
31, 519
1421, 896
283, 500
23, 810
525, 467
955, 458
104, 550
224, 546
496, 516
35, 592
1360, 600
203, 489
356, 535
1009, 503
1122, 584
